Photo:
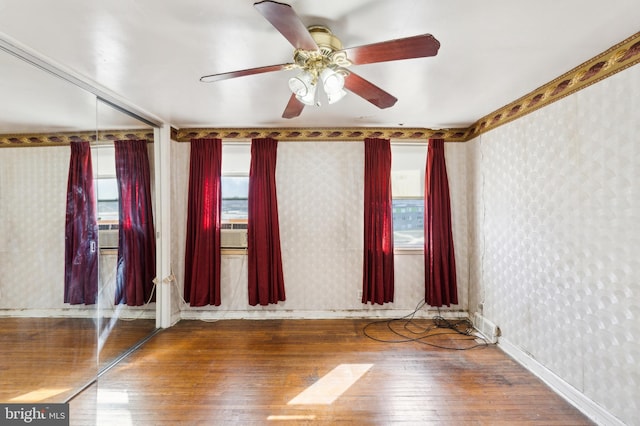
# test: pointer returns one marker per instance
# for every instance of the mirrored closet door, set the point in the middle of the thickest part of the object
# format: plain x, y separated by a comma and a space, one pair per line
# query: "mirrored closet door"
61, 319
47, 328
123, 154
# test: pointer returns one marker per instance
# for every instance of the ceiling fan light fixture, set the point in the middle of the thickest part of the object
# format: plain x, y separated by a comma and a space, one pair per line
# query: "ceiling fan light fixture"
309, 98
320, 57
335, 96
302, 84
332, 81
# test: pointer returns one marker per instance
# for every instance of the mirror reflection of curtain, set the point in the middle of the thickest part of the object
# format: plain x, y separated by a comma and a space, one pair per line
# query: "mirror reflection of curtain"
202, 252
265, 276
378, 275
81, 230
136, 241
439, 255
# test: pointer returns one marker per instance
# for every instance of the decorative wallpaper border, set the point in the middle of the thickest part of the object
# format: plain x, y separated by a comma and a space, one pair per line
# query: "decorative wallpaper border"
322, 134
619, 57
64, 138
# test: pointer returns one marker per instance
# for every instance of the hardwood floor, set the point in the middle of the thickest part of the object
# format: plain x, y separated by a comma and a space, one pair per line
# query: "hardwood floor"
242, 372
45, 359
50, 359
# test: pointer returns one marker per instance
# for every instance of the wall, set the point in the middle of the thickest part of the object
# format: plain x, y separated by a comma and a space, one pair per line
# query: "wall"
33, 188
553, 206
320, 202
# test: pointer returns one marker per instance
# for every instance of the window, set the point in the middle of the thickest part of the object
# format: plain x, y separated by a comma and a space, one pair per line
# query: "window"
408, 162
107, 197
106, 184
236, 160
235, 203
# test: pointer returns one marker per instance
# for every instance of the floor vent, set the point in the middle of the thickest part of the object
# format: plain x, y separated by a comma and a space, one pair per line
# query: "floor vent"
489, 330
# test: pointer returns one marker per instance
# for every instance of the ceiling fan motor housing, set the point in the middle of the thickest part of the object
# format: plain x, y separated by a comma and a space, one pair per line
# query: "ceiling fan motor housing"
324, 38
328, 55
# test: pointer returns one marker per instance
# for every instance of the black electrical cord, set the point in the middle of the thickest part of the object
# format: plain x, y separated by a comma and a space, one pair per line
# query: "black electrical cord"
411, 331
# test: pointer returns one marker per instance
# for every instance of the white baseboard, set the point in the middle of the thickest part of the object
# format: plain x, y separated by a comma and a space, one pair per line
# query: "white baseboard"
48, 313
210, 314
207, 313
124, 313
576, 398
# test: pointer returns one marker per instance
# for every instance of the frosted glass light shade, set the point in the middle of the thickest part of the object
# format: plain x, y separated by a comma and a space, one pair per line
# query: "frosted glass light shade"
310, 97
302, 84
336, 96
332, 81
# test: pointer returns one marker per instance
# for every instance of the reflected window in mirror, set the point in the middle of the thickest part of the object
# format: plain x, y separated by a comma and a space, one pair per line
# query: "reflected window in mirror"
106, 183
107, 188
107, 197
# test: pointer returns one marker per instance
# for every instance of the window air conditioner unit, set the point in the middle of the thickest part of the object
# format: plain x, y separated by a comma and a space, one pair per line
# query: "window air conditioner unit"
108, 235
233, 235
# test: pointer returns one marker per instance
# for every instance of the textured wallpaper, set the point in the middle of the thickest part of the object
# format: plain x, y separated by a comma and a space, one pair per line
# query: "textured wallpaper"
456, 159
554, 203
179, 196
320, 202
33, 185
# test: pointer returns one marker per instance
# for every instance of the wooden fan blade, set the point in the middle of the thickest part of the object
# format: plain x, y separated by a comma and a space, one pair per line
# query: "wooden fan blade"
294, 107
369, 91
393, 50
251, 71
284, 19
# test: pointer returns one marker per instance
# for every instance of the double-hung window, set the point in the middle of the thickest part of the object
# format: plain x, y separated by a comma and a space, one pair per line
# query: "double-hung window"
106, 184
235, 190
408, 162
107, 196
236, 160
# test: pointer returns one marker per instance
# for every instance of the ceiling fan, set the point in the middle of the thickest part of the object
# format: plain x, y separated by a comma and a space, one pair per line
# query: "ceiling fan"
321, 58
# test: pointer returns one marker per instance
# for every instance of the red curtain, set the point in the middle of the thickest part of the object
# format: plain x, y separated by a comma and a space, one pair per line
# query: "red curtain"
81, 230
136, 239
202, 258
378, 278
439, 256
266, 282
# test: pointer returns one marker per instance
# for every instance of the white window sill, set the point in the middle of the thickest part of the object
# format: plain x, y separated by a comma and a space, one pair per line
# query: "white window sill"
408, 250
232, 251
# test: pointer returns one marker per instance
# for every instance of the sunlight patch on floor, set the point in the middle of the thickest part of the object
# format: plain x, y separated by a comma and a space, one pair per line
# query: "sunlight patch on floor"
39, 394
113, 408
333, 384
291, 417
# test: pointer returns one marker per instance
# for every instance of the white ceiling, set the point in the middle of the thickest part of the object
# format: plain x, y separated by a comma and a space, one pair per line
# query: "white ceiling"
151, 54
